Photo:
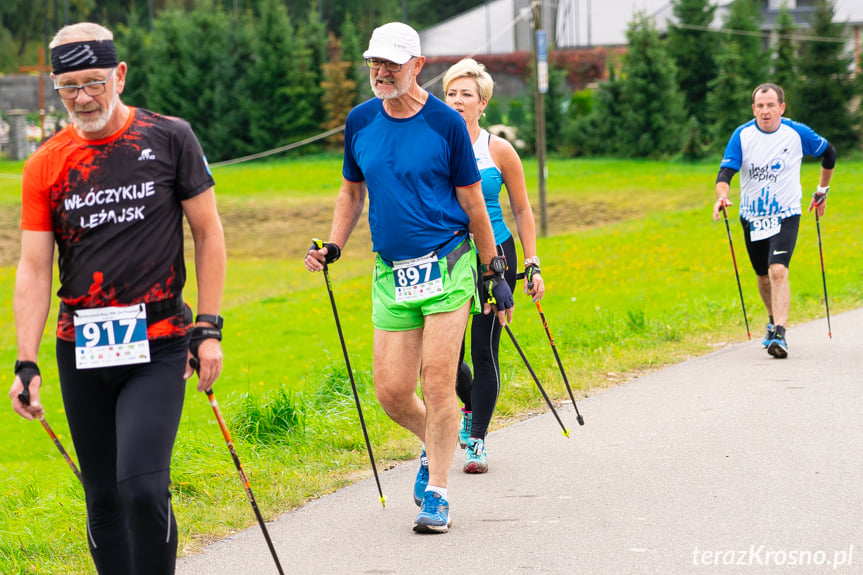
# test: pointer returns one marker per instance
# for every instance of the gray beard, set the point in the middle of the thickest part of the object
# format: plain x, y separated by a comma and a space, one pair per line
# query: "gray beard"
97, 125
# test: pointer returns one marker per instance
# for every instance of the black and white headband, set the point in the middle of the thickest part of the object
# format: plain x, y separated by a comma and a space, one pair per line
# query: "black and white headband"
84, 55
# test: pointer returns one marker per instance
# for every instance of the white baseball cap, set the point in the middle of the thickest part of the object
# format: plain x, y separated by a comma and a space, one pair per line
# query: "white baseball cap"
395, 42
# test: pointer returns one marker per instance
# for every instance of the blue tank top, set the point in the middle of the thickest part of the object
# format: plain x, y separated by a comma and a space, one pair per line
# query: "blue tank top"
492, 182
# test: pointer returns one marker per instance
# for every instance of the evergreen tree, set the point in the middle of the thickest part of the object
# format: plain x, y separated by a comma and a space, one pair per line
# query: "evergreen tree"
313, 38
553, 104
271, 73
598, 132
826, 87
133, 47
785, 63
339, 91
352, 52
197, 72
730, 97
653, 107
693, 53
743, 24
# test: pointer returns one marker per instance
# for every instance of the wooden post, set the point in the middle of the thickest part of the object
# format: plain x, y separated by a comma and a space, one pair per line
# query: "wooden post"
40, 69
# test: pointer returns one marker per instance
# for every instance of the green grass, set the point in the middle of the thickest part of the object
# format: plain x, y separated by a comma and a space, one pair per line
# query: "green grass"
638, 276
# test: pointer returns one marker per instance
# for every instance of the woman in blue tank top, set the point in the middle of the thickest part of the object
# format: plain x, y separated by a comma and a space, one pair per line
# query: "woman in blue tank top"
468, 88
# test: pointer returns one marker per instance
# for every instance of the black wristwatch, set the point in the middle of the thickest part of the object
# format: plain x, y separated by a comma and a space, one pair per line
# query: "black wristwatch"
216, 320
497, 265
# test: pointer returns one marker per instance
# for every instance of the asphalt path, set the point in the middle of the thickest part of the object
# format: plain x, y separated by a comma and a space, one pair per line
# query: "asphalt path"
734, 462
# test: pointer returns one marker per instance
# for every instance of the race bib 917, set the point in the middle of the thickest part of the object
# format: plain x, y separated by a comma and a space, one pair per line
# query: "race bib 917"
110, 336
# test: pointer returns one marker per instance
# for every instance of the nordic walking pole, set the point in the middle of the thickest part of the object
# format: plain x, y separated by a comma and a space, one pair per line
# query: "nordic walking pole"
736, 274
24, 397
227, 435
579, 418
536, 380
318, 244
823, 275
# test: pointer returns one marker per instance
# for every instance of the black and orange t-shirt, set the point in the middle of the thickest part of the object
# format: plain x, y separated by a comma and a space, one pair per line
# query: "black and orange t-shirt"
114, 208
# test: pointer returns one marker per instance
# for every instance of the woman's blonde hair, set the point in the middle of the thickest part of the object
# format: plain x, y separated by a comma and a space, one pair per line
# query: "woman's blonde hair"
470, 68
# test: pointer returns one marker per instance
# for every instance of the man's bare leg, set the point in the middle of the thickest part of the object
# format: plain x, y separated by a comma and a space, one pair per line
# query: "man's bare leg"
440, 351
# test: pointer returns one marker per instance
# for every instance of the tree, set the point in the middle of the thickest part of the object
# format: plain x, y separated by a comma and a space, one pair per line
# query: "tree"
743, 29
693, 53
653, 107
826, 87
339, 90
785, 63
198, 72
352, 52
598, 132
133, 47
730, 97
271, 72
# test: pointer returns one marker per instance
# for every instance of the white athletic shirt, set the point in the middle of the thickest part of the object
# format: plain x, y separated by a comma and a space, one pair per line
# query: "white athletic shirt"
769, 166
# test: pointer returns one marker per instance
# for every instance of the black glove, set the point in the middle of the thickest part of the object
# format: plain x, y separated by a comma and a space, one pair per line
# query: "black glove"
496, 291
26, 370
333, 250
819, 197
529, 272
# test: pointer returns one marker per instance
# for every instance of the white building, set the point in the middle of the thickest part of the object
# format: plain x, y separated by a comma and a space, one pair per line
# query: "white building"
503, 26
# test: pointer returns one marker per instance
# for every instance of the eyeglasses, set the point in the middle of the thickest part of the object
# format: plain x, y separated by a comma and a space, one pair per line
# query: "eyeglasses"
375, 64
92, 89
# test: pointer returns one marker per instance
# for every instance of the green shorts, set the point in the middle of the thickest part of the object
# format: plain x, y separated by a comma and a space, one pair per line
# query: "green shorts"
458, 273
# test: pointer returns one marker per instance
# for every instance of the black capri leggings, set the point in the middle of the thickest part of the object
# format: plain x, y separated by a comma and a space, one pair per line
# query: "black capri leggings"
480, 395
123, 422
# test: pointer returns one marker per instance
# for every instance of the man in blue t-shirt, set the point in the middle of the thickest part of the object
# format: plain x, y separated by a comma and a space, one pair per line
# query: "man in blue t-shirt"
413, 154
768, 151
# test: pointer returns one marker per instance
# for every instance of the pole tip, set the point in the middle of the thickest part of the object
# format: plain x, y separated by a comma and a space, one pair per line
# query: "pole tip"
580, 420
565, 432
384, 501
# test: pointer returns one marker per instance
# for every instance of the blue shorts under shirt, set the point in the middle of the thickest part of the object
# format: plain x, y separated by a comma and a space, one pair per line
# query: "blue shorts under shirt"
769, 165
411, 167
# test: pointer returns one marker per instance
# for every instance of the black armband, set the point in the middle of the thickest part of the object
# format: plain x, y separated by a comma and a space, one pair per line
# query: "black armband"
725, 175
828, 158
199, 334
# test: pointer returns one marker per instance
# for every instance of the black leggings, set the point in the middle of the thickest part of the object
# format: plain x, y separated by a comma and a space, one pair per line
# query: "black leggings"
123, 422
480, 395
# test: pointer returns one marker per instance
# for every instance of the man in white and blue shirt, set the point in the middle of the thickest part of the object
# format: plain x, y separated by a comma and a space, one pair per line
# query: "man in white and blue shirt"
768, 151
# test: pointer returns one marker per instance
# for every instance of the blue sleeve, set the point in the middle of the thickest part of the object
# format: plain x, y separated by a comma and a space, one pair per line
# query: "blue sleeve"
465, 171
733, 157
350, 169
813, 144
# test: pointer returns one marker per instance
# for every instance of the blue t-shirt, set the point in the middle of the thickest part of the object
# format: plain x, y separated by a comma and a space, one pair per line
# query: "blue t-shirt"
492, 182
411, 167
769, 165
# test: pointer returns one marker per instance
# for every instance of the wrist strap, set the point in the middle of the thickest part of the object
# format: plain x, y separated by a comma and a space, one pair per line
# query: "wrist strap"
199, 334
19, 365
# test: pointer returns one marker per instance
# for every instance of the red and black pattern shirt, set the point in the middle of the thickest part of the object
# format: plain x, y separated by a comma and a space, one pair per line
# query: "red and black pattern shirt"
114, 208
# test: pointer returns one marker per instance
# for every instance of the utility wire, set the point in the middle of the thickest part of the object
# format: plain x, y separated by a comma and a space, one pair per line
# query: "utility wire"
524, 13
759, 34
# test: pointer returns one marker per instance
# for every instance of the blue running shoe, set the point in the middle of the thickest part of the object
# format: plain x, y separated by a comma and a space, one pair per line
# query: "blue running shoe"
778, 347
464, 428
434, 515
475, 457
422, 480
769, 335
